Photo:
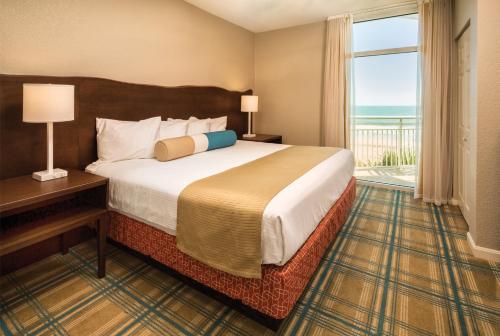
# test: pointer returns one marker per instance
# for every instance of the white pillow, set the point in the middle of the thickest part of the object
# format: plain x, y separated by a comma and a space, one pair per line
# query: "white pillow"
172, 129
198, 126
195, 125
124, 140
218, 124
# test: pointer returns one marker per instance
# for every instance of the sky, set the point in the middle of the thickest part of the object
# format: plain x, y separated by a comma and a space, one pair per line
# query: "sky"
386, 80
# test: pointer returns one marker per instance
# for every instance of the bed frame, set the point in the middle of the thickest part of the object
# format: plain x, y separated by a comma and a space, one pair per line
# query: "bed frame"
268, 300
76, 147
257, 316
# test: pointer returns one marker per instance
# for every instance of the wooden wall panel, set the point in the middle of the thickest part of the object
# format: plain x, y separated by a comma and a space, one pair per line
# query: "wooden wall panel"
23, 145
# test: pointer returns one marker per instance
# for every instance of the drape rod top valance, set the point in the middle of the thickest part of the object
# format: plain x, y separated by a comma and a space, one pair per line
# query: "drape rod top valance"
402, 8
346, 16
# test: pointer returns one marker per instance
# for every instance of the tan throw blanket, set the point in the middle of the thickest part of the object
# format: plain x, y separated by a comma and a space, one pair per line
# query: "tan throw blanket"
219, 217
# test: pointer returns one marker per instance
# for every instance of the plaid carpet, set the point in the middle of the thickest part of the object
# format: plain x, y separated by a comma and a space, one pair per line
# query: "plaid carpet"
399, 267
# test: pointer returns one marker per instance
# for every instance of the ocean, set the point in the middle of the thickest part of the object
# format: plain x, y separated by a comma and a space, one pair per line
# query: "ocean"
393, 116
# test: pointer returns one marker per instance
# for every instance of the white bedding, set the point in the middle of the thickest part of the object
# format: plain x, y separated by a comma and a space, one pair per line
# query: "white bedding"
147, 190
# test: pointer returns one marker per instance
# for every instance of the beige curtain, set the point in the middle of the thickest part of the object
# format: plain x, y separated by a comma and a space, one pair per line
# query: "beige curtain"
336, 101
435, 161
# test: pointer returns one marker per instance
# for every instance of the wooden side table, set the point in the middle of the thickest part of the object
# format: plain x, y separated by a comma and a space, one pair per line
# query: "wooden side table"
265, 138
33, 211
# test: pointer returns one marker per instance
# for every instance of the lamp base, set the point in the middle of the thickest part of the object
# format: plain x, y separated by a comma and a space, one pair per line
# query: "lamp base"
249, 135
44, 175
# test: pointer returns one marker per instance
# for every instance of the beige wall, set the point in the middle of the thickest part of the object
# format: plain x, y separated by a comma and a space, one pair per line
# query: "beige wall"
288, 80
488, 125
165, 42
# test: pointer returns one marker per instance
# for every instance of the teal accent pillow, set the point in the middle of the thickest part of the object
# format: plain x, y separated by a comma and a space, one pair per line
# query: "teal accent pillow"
221, 139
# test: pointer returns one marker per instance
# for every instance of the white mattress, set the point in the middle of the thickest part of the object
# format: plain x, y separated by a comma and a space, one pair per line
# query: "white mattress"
147, 190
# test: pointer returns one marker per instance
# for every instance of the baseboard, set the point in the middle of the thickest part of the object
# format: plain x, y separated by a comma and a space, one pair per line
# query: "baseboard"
482, 252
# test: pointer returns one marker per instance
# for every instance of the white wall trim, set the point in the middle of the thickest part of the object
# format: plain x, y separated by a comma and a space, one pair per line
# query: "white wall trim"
482, 252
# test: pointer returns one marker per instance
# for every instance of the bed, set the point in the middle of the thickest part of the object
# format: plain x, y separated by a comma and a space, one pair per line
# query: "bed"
147, 190
298, 224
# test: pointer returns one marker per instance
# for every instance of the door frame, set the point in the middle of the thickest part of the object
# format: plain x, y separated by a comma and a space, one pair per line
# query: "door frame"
456, 125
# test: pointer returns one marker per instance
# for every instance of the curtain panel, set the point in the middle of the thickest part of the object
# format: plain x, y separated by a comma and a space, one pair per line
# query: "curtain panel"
336, 82
434, 177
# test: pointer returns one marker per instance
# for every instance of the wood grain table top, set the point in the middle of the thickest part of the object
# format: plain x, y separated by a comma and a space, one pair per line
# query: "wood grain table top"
24, 190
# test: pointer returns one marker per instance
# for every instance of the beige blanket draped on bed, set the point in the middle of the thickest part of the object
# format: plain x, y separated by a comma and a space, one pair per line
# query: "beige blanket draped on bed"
219, 217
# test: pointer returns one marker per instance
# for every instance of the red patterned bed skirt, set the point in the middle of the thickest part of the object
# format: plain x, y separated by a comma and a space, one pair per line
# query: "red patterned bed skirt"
280, 287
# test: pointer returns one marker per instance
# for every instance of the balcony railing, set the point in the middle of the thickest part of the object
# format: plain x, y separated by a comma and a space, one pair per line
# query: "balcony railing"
384, 141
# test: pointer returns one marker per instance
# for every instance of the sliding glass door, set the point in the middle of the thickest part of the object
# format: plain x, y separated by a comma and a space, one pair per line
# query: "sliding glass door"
384, 112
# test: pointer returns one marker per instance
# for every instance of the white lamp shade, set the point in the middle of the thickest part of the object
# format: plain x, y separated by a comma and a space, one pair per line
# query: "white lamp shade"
48, 103
249, 103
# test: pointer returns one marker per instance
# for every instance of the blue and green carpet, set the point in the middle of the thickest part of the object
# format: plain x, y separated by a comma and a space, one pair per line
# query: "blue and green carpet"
399, 267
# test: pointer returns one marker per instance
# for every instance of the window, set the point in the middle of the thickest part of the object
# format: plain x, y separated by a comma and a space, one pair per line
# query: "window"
390, 33
385, 68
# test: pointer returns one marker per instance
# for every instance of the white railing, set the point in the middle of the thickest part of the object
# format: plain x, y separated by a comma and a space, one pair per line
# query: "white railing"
384, 141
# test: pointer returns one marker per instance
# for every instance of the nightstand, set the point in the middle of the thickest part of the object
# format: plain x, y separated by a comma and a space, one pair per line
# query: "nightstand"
265, 138
33, 211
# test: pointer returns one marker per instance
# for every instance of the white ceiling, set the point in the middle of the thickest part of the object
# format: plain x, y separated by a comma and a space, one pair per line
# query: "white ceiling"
263, 15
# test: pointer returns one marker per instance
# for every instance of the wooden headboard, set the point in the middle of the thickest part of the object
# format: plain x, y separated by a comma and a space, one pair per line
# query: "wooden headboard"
23, 145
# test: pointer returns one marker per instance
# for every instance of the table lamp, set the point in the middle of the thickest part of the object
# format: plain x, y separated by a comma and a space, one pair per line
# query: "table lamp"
249, 104
48, 103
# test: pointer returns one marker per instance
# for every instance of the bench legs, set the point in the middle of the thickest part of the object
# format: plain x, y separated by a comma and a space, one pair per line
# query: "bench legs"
102, 224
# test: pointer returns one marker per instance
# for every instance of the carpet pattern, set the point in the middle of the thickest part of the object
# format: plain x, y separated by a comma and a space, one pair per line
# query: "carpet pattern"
399, 267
